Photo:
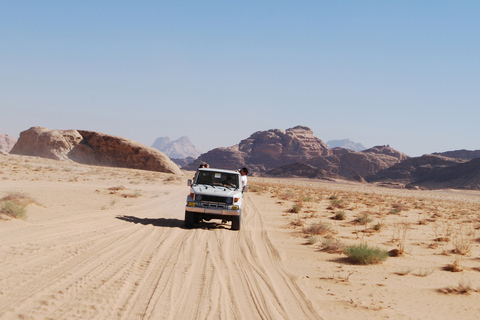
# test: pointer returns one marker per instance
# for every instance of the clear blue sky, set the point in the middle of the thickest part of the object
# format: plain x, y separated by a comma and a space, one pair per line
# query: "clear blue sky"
404, 73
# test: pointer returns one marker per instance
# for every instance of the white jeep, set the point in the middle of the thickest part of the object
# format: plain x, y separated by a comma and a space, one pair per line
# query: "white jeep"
215, 194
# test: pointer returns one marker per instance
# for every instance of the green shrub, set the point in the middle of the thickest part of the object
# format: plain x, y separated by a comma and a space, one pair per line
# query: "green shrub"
364, 254
14, 209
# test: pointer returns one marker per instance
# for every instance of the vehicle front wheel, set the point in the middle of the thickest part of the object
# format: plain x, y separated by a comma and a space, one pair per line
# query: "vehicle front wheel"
189, 219
236, 223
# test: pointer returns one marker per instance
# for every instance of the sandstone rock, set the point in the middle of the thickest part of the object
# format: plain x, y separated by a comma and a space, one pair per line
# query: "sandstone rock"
387, 150
46, 143
6, 142
92, 148
464, 175
298, 169
460, 154
116, 151
413, 169
266, 150
364, 163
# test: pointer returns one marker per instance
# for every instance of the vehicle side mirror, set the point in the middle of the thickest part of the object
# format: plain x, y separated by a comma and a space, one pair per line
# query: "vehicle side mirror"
246, 188
189, 182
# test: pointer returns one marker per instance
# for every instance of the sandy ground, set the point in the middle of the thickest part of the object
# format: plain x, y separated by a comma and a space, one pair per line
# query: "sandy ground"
109, 243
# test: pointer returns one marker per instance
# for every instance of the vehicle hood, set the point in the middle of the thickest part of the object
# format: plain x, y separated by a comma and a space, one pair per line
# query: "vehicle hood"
215, 191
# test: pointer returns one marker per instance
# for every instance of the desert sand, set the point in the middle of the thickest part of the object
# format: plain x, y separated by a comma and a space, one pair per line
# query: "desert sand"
109, 243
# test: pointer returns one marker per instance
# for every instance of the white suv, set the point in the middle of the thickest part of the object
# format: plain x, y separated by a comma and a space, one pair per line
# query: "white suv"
214, 194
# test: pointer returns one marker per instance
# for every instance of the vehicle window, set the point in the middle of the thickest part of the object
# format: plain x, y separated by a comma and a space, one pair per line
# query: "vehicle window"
217, 179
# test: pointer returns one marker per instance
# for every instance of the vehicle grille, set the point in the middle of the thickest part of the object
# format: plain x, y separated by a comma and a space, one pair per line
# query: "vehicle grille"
214, 199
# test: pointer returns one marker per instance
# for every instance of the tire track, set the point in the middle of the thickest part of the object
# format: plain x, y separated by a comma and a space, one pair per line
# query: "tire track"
95, 266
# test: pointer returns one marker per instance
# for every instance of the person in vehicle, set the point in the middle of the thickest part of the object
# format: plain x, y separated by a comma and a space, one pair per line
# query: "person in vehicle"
243, 173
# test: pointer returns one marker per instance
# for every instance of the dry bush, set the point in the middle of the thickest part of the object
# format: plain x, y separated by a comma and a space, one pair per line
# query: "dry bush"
15, 205
340, 215
462, 288
463, 240
363, 219
296, 208
331, 245
317, 229
456, 266
424, 272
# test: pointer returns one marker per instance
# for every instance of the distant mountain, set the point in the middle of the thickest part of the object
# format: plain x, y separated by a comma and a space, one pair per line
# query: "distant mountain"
460, 154
6, 142
178, 149
346, 144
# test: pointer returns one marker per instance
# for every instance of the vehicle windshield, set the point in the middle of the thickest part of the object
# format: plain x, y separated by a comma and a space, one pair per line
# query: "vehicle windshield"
217, 179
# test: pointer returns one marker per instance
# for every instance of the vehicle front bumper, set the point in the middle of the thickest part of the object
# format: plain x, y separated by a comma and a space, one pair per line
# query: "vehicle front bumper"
215, 211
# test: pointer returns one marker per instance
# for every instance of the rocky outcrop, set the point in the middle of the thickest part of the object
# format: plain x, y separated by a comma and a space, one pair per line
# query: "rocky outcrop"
178, 149
387, 150
298, 169
364, 163
459, 176
94, 148
46, 143
297, 151
266, 150
6, 142
414, 169
460, 154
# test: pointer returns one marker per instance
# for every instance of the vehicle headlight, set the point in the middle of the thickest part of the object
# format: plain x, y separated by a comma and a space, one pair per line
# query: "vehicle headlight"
198, 197
229, 200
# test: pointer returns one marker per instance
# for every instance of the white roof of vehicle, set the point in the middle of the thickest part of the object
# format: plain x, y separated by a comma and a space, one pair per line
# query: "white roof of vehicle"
219, 170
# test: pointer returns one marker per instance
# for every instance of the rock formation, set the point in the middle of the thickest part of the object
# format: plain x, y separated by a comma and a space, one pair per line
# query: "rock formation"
94, 148
413, 169
46, 143
298, 152
460, 154
266, 150
178, 149
6, 142
459, 176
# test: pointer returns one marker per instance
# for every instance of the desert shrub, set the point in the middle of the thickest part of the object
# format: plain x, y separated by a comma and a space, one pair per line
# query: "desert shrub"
331, 245
337, 203
364, 218
116, 188
288, 195
312, 239
14, 209
399, 207
296, 208
256, 188
340, 215
364, 254
378, 226
317, 229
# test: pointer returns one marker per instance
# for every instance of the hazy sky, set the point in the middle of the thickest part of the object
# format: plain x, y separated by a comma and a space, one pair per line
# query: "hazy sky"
403, 73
